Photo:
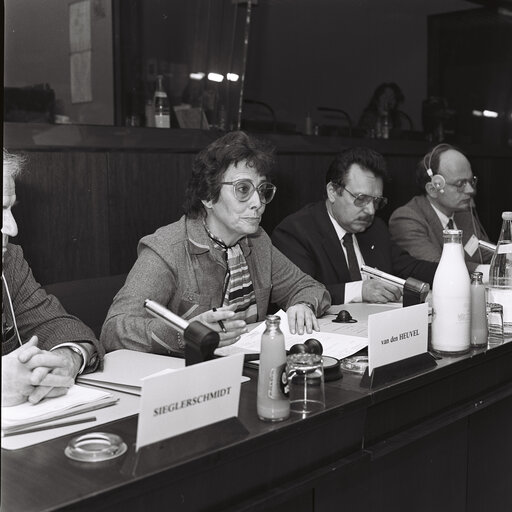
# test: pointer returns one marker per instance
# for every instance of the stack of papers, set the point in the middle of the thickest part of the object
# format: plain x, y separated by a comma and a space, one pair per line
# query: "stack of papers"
77, 400
123, 370
334, 344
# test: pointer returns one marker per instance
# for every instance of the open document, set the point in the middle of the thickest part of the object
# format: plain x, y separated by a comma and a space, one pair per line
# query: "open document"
334, 344
77, 400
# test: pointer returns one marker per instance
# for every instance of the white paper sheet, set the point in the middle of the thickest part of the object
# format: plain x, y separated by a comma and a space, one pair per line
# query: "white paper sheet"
334, 344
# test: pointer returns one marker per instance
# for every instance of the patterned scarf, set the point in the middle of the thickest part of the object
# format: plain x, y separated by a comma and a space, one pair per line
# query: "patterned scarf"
237, 287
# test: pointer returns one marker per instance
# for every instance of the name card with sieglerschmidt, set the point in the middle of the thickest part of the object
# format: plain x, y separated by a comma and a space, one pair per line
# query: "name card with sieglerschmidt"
177, 401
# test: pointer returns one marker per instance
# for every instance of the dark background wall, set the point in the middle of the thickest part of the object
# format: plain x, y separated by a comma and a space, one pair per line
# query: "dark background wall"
307, 53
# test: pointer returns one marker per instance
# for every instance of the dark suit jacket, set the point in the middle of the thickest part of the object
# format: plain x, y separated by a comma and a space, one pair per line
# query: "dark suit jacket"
309, 239
417, 228
38, 313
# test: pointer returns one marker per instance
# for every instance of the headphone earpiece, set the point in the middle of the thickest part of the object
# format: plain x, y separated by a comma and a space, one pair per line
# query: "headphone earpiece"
437, 180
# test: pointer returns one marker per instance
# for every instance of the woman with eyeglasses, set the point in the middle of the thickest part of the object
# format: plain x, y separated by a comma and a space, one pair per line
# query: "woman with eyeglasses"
215, 264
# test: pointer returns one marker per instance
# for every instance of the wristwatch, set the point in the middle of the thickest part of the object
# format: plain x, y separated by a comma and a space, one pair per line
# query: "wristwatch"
77, 349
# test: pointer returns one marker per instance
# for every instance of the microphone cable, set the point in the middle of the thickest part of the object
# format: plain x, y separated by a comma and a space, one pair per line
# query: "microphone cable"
12, 310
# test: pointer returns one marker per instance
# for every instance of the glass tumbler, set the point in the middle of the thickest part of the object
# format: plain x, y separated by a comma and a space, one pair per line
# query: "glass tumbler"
305, 374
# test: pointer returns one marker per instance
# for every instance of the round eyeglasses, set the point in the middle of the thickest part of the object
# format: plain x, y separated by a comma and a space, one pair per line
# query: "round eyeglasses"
244, 189
361, 200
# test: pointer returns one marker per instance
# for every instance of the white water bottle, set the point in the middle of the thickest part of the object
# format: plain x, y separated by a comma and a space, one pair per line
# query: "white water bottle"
272, 403
161, 106
500, 273
451, 297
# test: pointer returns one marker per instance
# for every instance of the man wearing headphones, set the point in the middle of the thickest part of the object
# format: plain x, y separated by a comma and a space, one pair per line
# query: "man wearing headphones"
447, 186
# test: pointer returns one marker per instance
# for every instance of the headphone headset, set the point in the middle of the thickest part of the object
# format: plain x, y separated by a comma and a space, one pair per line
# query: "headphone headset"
437, 180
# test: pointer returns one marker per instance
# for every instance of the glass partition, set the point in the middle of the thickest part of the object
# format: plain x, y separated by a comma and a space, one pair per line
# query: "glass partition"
97, 61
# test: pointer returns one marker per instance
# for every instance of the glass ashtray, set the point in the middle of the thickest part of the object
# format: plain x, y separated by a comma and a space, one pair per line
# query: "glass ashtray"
355, 364
95, 447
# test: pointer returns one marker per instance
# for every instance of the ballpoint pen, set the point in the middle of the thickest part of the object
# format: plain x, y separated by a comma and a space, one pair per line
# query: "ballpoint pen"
38, 428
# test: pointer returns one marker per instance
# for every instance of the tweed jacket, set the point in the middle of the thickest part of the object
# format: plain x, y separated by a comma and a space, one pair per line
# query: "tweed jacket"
38, 313
309, 239
179, 267
417, 228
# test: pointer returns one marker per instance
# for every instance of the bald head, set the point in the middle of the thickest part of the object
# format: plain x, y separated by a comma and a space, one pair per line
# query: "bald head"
459, 188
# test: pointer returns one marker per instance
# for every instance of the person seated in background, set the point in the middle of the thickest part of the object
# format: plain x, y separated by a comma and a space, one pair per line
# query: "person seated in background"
43, 348
384, 105
448, 187
331, 239
215, 263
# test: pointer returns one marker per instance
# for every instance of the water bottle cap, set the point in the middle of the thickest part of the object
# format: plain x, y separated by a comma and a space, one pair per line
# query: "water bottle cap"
506, 215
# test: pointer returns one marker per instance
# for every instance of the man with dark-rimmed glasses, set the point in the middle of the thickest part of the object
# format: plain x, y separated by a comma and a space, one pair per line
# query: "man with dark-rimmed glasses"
447, 188
331, 239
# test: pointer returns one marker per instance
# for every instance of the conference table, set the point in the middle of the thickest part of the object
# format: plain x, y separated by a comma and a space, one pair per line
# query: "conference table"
437, 440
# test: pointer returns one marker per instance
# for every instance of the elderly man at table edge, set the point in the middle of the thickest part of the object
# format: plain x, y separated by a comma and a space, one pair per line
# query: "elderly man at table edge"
43, 348
331, 239
447, 186
215, 264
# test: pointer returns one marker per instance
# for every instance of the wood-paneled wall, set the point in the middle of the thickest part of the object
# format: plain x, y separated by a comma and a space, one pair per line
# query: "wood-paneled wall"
82, 209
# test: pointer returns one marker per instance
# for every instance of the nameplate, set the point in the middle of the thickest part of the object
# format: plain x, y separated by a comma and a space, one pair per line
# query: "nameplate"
178, 401
396, 335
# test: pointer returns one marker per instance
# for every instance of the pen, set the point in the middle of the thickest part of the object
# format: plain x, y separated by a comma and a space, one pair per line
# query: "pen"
47, 427
220, 322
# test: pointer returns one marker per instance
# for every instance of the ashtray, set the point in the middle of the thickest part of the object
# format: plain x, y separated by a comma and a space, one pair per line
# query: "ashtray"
355, 364
95, 447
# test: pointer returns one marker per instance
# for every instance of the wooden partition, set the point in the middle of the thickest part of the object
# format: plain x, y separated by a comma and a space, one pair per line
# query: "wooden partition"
88, 194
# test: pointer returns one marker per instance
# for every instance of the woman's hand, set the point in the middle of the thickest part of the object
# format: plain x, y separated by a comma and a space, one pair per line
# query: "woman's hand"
300, 315
226, 322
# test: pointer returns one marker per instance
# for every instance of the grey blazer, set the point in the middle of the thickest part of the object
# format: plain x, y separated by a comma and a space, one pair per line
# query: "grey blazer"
178, 267
417, 228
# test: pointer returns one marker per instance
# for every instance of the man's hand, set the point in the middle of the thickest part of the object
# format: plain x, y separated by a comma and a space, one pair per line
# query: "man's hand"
53, 373
300, 316
375, 290
234, 324
16, 377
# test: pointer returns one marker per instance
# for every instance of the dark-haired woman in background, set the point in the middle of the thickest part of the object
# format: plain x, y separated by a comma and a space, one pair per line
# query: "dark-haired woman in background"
384, 105
215, 263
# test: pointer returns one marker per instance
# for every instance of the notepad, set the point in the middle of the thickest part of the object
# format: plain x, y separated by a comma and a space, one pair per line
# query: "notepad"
77, 400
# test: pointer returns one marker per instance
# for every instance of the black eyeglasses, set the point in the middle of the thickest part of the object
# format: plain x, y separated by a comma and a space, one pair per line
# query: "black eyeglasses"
244, 189
460, 185
361, 200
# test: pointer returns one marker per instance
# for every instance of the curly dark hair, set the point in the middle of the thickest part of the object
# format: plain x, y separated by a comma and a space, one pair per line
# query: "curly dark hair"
366, 158
379, 91
212, 162
430, 160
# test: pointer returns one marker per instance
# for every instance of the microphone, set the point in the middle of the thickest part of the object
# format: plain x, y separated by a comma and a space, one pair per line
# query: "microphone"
487, 246
414, 290
200, 340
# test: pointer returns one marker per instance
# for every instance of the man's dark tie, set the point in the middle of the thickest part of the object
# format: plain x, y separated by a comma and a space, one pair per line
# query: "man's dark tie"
450, 224
353, 266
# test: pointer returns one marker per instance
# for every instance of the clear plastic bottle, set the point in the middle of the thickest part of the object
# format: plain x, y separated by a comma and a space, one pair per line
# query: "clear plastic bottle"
162, 105
451, 297
272, 403
478, 314
500, 273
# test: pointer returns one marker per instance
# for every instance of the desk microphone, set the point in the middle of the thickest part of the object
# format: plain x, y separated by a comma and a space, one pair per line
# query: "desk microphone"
200, 340
487, 246
414, 290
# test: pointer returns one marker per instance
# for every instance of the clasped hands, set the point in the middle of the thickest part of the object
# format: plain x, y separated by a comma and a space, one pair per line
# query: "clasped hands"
29, 373
300, 318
